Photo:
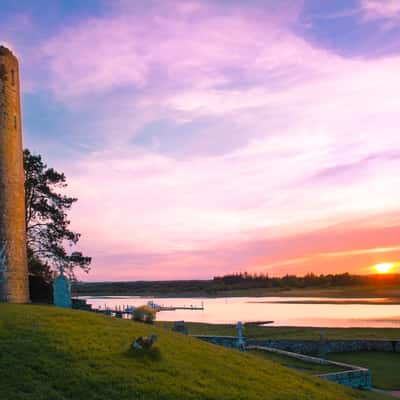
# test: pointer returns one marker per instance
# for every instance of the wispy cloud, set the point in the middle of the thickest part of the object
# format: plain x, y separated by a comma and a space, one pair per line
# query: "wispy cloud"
146, 48
374, 9
211, 136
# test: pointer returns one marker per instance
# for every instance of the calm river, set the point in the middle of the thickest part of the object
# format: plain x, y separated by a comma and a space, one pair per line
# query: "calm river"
282, 310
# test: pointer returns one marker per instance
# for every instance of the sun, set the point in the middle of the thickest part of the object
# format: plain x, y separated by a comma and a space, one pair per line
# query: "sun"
384, 268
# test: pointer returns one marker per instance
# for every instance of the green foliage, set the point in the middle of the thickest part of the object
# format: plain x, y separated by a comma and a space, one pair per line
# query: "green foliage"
252, 281
47, 223
52, 353
144, 314
40, 280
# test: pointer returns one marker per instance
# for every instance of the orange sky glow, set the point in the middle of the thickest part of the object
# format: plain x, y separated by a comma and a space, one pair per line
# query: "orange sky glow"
209, 137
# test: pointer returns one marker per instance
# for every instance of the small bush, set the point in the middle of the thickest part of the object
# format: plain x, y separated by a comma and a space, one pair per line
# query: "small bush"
144, 314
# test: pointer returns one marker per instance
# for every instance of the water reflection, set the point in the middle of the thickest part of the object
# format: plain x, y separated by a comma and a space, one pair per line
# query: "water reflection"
308, 312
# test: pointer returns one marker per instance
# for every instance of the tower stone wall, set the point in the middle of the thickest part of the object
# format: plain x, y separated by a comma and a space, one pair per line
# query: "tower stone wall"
14, 277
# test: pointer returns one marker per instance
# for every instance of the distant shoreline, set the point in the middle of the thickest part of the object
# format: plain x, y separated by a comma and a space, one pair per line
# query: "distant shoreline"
347, 301
375, 287
353, 293
379, 301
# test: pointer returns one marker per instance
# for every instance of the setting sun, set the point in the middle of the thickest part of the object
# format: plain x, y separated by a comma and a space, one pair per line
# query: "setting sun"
384, 268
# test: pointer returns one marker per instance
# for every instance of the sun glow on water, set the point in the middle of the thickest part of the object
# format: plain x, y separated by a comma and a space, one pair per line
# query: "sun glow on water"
384, 268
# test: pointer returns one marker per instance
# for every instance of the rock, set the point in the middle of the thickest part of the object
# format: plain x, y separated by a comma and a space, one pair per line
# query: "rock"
179, 326
141, 342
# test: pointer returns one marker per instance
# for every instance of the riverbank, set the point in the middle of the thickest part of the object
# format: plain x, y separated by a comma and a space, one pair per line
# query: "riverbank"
253, 330
372, 301
212, 289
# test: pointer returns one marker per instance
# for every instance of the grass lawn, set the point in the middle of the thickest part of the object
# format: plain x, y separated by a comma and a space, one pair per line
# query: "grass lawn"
289, 362
255, 331
385, 367
50, 353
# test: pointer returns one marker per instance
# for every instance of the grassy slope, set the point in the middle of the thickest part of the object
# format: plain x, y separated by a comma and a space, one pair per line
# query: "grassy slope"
49, 353
255, 331
384, 366
309, 368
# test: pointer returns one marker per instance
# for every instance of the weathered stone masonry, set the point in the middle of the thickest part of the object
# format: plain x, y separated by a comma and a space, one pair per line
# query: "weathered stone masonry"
14, 280
310, 347
315, 347
353, 376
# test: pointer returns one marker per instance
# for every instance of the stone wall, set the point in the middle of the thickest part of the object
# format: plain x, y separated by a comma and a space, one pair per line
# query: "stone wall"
315, 347
14, 280
359, 379
342, 346
352, 376
226, 341
309, 347
294, 346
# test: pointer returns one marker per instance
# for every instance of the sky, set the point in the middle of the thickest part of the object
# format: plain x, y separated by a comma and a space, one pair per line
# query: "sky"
207, 137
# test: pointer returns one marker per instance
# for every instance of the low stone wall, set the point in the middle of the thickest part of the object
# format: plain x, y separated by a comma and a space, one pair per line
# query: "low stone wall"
309, 347
226, 341
359, 379
293, 346
353, 376
315, 347
342, 346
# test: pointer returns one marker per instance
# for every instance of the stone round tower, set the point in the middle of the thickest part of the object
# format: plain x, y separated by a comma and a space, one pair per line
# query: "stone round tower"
13, 261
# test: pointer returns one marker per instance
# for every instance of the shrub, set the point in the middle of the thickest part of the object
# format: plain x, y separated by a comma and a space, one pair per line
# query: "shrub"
144, 314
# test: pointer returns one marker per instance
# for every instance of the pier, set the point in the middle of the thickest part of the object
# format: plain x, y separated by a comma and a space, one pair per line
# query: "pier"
125, 311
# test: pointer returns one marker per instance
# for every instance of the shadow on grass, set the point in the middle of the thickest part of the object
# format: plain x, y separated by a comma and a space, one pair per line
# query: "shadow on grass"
153, 354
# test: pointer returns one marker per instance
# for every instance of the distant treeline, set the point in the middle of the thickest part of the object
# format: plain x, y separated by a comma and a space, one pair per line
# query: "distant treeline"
246, 280
143, 288
232, 284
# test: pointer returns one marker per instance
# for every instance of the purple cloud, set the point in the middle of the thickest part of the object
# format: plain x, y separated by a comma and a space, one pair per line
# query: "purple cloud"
198, 126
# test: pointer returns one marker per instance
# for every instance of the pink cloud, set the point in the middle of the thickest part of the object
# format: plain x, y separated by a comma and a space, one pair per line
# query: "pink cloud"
303, 138
148, 47
374, 9
315, 251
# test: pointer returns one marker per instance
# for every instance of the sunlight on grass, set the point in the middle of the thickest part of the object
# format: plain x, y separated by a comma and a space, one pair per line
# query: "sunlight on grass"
50, 353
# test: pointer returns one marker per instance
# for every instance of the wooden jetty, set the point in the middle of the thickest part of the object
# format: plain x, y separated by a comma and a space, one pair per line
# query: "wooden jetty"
128, 310
173, 308
122, 311
158, 307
